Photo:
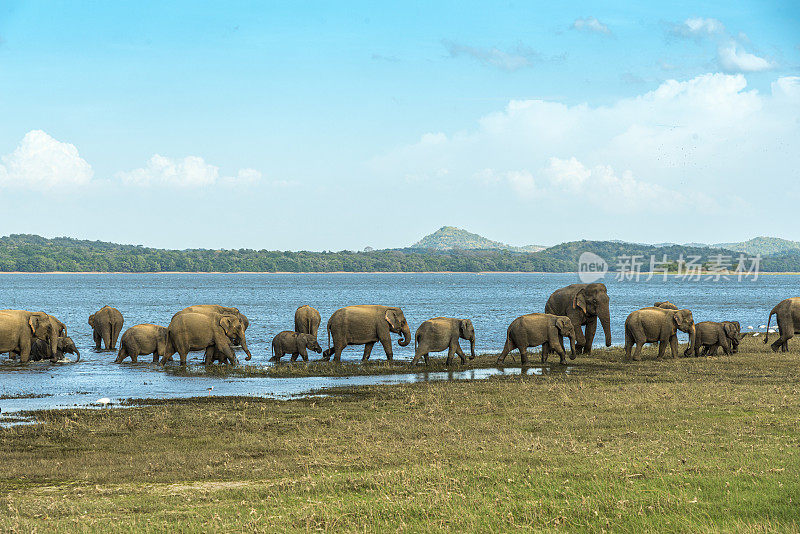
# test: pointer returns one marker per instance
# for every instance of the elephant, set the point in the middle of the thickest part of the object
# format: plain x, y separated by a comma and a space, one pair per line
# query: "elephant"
710, 335
307, 320
442, 333
666, 305
787, 314
19, 329
735, 339
216, 308
651, 325
364, 325
106, 325
294, 343
40, 349
583, 304
536, 329
198, 331
142, 339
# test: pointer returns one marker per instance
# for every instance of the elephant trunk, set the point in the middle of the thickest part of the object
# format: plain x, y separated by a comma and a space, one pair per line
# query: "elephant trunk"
692, 336
54, 347
78, 354
244, 347
572, 354
472, 348
406, 332
605, 321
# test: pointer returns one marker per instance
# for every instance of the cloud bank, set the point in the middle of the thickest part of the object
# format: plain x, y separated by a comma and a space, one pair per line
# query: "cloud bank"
188, 172
41, 162
686, 145
590, 24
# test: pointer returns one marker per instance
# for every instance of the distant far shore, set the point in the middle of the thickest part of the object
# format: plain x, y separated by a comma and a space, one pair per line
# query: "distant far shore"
611, 275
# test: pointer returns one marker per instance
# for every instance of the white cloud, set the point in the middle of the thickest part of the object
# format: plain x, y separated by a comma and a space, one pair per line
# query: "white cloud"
517, 58
590, 24
698, 27
732, 59
41, 162
686, 145
191, 171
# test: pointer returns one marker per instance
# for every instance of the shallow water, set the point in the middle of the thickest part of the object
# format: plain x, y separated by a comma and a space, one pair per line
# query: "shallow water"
492, 301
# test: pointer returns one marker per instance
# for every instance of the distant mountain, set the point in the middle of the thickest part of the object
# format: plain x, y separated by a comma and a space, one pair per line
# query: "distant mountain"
452, 238
762, 245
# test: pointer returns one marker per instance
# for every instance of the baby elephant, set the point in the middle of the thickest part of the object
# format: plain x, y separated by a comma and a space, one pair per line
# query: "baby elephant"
666, 306
40, 348
443, 333
294, 343
710, 335
142, 339
537, 329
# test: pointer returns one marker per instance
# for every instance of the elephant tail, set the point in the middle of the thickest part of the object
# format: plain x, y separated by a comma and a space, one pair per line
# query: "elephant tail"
766, 334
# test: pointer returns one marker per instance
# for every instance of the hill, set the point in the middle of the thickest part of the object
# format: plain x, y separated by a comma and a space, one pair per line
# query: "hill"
452, 238
762, 245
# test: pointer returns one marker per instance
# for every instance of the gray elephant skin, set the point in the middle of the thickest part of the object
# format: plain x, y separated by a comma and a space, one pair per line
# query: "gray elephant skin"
198, 331
307, 320
666, 305
40, 349
584, 304
19, 329
787, 314
294, 343
143, 339
710, 335
365, 325
210, 309
657, 325
106, 325
536, 329
443, 333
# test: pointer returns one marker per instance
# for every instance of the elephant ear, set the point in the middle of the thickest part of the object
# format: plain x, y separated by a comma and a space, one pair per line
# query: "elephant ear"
728, 329
463, 327
34, 322
562, 324
393, 319
579, 300
226, 323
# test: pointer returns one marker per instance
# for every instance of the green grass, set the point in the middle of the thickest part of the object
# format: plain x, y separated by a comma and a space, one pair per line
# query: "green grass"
690, 445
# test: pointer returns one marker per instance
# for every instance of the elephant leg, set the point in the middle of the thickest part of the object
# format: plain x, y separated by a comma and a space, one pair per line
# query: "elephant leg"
450, 352
673, 346
507, 348
24, 352
637, 354
426, 359
294, 357
580, 340
337, 356
545, 352
387, 348
367, 351
591, 328
135, 358
523, 355
460, 353
106, 336
304, 354
121, 355
726, 348
97, 339
209, 355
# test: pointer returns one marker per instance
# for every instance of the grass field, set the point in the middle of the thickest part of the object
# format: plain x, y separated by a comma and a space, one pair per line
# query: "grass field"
689, 445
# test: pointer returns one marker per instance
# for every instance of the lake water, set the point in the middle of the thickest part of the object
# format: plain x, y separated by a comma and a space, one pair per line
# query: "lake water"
491, 300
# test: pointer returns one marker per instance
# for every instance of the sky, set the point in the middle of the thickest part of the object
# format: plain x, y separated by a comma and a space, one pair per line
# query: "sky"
341, 125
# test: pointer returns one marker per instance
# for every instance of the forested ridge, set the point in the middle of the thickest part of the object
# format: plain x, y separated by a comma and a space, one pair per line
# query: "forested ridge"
32, 253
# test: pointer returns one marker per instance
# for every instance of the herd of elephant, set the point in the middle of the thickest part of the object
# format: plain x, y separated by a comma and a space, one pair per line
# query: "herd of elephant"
571, 312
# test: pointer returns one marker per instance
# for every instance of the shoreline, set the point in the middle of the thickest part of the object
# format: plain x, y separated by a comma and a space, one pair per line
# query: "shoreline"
612, 275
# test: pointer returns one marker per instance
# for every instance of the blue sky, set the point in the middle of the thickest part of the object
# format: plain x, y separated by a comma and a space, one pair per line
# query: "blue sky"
322, 125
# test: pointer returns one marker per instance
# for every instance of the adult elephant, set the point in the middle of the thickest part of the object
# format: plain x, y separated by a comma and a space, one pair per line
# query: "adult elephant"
307, 320
197, 331
365, 325
209, 309
787, 314
583, 304
19, 329
657, 325
442, 333
106, 325
536, 329
142, 339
